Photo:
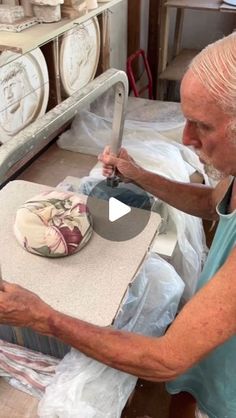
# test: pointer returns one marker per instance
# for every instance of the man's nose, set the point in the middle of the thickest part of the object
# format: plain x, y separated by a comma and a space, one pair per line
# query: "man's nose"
190, 136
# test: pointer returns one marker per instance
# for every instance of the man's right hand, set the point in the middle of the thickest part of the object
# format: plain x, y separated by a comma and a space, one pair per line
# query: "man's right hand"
125, 166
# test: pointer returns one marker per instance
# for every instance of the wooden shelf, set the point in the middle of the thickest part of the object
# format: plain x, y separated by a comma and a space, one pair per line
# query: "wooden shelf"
176, 69
195, 4
42, 33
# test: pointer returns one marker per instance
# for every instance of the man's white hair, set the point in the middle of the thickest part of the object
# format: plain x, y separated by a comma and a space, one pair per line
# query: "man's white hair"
215, 66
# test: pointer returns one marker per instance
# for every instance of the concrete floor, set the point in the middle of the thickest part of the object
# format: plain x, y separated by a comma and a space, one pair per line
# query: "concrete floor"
16, 404
149, 400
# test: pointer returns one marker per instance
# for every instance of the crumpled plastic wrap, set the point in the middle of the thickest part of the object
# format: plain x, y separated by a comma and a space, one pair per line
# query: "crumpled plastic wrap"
154, 146
85, 388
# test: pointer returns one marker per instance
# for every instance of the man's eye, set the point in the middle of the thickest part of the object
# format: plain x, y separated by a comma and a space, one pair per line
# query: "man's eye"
203, 127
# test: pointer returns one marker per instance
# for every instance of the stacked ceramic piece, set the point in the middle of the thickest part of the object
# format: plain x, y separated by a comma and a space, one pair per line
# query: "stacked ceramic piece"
47, 10
10, 14
13, 17
92, 4
11, 2
73, 8
28, 8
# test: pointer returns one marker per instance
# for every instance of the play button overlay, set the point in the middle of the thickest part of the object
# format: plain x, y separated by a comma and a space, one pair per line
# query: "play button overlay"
117, 209
119, 213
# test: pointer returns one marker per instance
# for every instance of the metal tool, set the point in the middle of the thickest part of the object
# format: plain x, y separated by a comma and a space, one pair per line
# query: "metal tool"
113, 180
117, 128
27, 143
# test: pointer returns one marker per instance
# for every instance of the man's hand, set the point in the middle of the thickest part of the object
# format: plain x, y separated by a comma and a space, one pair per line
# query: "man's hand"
20, 307
125, 165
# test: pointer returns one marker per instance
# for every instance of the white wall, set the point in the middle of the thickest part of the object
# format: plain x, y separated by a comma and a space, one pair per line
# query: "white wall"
118, 35
203, 27
144, 24
200, 28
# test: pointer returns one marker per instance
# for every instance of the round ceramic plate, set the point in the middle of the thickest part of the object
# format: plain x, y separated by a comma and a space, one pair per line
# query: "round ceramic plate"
79, 55
230, 2
24, 90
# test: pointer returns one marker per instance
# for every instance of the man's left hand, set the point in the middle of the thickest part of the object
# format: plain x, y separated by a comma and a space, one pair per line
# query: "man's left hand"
22, 308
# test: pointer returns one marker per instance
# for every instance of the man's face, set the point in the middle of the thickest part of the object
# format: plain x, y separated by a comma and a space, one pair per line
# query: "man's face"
207, 126
12, 92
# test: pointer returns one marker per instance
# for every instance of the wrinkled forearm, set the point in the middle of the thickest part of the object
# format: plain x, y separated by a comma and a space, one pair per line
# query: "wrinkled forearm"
128, 352
194, 199
156, 359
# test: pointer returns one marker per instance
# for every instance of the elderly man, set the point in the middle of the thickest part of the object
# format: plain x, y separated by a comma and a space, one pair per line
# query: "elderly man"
198, 352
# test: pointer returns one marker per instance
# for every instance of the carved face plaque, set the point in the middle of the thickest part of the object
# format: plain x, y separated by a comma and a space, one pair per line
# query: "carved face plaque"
79, 54
23, 90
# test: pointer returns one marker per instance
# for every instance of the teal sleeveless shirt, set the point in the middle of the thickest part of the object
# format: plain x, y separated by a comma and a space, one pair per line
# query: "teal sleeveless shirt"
212, 382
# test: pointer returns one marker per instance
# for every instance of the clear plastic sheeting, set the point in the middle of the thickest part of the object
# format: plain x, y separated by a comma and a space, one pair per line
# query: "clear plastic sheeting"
85, 388
190, 252
139, 109
148, 142
152, 145
131, 194
152, 301
89, 132
90, 185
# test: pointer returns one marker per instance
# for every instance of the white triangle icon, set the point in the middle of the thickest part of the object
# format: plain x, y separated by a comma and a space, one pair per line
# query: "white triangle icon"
117, 209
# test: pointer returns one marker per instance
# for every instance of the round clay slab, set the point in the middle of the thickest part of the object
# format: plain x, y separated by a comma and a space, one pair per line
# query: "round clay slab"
79, 55
24, 89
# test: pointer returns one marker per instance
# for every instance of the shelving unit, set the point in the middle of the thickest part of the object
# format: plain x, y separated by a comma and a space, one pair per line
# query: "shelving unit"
42, 33
195, 4
175, 69
47, 37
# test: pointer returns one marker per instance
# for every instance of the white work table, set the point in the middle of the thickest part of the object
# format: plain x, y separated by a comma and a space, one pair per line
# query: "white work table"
89, 285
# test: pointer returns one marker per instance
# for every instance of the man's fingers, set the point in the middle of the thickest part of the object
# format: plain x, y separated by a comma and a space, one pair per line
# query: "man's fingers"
107, 173
106, 157
107, 149
109, 159
9, 287
111, 162
123, 154
6, 286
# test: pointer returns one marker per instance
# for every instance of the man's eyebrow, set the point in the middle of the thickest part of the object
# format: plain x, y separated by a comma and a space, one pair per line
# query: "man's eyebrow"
202, 122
